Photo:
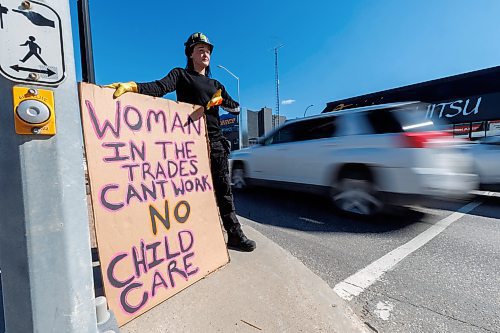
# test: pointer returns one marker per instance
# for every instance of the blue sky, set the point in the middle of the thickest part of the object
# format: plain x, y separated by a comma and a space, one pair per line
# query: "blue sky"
332, 49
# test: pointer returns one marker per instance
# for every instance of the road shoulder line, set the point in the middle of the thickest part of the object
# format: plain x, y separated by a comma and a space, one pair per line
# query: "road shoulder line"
359, 281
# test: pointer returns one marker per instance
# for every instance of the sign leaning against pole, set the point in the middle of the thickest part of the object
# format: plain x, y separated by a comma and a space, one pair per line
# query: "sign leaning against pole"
45, 256
157, 225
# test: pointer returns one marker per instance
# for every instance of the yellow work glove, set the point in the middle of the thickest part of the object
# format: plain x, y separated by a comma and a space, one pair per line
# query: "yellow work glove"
215, 100
123, 87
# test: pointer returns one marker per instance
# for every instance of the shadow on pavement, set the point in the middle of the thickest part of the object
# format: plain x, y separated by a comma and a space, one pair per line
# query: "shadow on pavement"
489, 206
307, 212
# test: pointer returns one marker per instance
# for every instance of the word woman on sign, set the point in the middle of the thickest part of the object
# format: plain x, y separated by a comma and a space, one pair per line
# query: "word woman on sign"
194, 85
148, 179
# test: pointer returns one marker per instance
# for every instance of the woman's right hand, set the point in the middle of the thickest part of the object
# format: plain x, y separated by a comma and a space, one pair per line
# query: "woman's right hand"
122, 87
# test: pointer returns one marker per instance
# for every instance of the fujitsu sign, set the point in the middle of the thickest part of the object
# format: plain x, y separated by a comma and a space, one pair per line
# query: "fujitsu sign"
466, 109
459, 107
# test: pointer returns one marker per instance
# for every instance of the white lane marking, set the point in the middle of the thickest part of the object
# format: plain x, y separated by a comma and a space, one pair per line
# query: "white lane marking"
384, 310
359, 281
486, 193
310, 220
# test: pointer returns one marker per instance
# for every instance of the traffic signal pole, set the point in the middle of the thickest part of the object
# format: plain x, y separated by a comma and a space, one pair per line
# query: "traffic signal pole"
86, 50
45, 257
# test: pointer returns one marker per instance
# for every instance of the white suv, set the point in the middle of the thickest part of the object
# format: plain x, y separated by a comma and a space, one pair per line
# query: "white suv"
364, 159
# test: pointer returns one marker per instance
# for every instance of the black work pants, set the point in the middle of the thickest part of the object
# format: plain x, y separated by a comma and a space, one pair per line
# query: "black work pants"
219, 151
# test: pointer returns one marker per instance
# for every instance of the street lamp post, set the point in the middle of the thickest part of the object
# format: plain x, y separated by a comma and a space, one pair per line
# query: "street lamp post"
239, 117
307, 109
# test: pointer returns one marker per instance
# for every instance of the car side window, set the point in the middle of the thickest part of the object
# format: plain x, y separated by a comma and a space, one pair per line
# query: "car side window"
319, 128
384, 121
311, 129
287, 133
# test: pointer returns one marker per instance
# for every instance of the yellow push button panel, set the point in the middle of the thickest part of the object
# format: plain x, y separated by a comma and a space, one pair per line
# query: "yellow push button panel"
34, 111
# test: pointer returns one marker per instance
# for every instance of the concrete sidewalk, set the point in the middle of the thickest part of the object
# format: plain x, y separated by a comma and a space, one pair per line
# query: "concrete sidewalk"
267, 290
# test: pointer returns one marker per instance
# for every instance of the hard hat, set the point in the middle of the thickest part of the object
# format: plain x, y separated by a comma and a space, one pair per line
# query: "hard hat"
196, 38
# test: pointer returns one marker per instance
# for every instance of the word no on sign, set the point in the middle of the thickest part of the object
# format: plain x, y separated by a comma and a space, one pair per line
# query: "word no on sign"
31, 39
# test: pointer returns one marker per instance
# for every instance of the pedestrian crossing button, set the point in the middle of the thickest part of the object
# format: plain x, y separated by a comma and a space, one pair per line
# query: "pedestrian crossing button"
33, 112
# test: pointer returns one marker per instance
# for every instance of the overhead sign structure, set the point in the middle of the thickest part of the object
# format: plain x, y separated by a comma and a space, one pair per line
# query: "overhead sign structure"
156, 218
31, 39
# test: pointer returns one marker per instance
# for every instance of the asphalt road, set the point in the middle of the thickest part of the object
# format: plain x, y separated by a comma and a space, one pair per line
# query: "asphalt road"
451, 283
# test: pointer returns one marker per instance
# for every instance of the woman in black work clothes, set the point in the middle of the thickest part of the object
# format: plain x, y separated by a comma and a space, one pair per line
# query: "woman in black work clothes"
194, 85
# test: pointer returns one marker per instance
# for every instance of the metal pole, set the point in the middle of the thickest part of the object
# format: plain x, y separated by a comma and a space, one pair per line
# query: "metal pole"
240, 117
307, 109
277, 83
86, 51
240, 130
238, 79
45, 254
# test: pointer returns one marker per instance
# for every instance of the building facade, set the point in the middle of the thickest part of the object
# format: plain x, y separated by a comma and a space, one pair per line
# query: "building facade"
278, 120
254, 125
259, 123
469, 103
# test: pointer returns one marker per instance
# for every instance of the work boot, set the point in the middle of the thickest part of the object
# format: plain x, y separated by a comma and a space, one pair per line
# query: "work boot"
237, 240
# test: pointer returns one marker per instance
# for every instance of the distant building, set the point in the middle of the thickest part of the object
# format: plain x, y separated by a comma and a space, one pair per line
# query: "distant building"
254, 125
259, 123
278, 120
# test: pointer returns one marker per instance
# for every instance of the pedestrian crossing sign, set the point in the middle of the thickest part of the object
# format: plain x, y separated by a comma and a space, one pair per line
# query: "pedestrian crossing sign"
31, 39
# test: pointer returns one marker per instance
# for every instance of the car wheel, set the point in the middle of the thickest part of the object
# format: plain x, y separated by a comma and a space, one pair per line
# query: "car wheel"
238, 177
355, 194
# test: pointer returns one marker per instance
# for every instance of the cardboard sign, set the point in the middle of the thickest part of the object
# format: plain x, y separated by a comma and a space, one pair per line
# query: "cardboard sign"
156, 218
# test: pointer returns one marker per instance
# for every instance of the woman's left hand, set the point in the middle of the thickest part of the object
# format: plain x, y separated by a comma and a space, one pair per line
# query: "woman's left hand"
215, 100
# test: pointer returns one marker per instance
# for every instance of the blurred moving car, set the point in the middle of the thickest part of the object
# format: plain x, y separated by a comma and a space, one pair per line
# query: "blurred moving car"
364, 159
486, 156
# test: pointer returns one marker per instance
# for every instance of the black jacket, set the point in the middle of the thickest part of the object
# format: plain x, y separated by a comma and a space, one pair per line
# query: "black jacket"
194, 88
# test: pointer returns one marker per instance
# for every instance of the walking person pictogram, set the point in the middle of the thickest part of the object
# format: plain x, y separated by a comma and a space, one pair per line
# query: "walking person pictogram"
35, 50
